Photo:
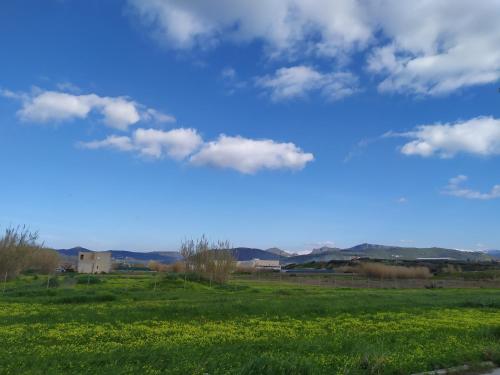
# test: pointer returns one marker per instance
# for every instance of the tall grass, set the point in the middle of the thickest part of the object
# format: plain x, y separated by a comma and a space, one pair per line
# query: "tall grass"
384, 271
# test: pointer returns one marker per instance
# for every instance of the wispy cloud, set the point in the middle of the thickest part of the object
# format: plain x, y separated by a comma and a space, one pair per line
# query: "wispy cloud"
231, 80
300, 81
456, 189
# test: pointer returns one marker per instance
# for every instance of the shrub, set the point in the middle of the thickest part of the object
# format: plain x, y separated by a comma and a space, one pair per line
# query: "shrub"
178, 267
83, 298
451, 269
384, 271
213, 262
157, 266
53, 283
245, 270
345, 269
21, 252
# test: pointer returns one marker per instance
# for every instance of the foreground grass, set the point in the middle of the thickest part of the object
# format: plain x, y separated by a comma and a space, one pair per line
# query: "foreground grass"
132, 324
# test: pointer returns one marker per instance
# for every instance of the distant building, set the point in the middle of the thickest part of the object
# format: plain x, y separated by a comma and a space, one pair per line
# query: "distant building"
94, 262
260, 264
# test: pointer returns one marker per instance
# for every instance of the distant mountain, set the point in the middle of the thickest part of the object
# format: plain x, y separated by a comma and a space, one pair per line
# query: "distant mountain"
387, 252
318, 256
246, 253
323, 254
493, 253
279, 252
239, 253
324, 249
143, 257
412, 253
130, 256
72, 252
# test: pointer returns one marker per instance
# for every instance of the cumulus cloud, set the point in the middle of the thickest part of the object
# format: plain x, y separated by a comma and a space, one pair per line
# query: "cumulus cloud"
419, 47
456, 189
478, 136
436, 47
242, 154
116, 112
284, 25
176, 143
298, 81
250, 155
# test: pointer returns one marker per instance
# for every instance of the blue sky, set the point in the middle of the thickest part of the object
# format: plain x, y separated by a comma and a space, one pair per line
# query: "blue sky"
136, 124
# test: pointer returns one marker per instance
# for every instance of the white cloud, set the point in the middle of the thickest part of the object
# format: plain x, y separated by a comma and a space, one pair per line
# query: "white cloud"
402, 200
426, 47
153, 115
242, 154
231, 80
250, 155
68, 87
284, 25
117, 112
479, 136
176, 143
122, 143
436, 47
298, 81
456, 189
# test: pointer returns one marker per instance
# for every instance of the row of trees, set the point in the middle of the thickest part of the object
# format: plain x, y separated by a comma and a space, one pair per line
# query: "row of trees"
20, 251
211, 261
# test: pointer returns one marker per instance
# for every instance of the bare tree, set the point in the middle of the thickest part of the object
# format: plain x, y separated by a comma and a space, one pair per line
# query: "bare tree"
187, 252
20, 251
213, 262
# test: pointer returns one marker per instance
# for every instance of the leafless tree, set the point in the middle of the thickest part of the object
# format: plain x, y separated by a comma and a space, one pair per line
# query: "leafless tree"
20, 251
213, 262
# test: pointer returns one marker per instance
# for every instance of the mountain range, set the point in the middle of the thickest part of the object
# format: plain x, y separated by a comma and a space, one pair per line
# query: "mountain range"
129, 256
388, 252
322, 254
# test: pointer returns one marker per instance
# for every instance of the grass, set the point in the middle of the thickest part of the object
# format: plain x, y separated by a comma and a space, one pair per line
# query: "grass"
144, 324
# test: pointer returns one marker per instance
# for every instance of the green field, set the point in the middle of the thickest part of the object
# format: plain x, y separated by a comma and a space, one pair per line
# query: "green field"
132, 324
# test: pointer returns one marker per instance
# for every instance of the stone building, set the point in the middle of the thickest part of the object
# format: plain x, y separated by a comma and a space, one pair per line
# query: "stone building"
94, 262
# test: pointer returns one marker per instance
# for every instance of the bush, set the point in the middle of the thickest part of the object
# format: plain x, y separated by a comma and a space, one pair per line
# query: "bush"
384, 271
178, 267
82, 298
157, 266
21, 252
53, 282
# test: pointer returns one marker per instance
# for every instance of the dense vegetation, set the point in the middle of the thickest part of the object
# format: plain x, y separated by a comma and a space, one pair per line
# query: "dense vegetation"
20, 251
152, 324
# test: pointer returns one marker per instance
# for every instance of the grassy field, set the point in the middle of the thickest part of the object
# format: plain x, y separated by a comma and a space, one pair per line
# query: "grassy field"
146, 324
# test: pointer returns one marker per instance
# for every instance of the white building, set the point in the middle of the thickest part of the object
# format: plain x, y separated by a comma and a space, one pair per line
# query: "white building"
260, 264
94, 262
